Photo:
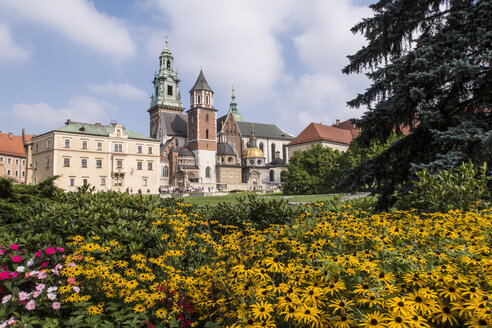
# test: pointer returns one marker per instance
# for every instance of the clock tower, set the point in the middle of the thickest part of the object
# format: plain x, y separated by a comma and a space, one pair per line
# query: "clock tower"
166, 96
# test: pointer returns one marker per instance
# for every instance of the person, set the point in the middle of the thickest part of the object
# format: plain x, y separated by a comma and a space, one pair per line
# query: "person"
139, 191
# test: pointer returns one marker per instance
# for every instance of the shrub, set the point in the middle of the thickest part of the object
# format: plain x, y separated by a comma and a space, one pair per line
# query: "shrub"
462, 188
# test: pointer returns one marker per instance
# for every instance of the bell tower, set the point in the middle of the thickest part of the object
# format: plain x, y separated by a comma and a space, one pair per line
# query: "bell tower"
202, 127
166, 96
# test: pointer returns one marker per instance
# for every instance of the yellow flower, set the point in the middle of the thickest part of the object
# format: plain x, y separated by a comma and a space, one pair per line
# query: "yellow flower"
261, 310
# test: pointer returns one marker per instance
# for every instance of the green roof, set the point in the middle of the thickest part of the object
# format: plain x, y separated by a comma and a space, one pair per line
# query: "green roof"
263, 131
99, 130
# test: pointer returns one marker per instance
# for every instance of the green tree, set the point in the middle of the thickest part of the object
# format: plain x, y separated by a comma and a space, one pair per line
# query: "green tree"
429, 62
312, 171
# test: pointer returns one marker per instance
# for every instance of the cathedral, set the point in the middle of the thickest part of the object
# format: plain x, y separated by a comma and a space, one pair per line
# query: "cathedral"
199, 149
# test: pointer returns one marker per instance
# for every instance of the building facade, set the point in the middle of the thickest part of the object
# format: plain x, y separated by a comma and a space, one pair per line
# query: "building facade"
198, 149
108, 157
13, 158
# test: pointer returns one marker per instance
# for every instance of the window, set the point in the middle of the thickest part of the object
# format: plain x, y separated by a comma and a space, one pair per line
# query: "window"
191, 119
119, 164
149, 165
169, 90
207, 172
206, 100
139, 165
16, 162
1, 159
35, 180
9, 160
259, 162
37, 148
84, 144
118, 182
85, 181
206, 118
229, 159
139, 149
16, 173
72, 182
99, 146
149, 150
67, 143
23, 173
47, 162
273, 152
103, 181
48, 143
66, 162
118, 148
251, 161
168, 64
206, 134
35, 165
272, 176
99, 163
165, 172
83, 162
144, 181
199, 99
284, 152
23, 162
8, 172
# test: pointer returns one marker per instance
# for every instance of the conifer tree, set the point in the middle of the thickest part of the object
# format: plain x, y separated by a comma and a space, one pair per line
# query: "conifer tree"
429, 64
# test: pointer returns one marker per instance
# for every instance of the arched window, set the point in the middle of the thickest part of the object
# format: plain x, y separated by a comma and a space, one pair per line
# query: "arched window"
284, 152
272, 176
165, 172
199, 99
261, 146
207, 172
206, 118
168, 64
206, 134
206, 100
273, 151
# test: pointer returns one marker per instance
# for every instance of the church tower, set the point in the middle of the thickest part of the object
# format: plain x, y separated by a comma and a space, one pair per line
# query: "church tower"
202, 128
166, 96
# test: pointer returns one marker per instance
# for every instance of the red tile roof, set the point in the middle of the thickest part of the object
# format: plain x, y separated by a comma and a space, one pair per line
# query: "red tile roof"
12, 145
320, 132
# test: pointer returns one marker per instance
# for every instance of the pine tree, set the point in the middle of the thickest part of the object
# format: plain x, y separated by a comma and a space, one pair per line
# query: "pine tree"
429, 63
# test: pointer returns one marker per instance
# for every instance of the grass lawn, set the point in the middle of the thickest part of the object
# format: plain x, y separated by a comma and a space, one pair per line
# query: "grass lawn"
232, 198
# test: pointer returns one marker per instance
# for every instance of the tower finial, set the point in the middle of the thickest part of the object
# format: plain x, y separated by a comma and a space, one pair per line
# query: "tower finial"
252, 129
166, 41
233, 95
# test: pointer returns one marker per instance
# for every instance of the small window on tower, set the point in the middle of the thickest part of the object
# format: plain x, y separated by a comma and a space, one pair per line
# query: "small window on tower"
206, 99
169, 90
199, 99
168, 64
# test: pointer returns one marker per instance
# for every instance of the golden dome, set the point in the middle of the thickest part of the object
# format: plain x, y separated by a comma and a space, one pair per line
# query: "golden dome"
253, 152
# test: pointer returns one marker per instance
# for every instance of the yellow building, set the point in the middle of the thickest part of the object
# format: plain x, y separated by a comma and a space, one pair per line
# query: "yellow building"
108, 157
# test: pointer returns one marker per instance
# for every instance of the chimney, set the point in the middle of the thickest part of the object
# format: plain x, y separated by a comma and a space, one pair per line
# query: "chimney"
10, 135
338, 122
69, 121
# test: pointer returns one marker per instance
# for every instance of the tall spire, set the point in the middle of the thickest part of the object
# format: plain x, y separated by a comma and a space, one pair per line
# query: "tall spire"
233, 106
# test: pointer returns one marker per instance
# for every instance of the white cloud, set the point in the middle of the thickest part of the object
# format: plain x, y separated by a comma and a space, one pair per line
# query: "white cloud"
233, 40
41, 117
326, 39
79, 21
122, 90
10, 51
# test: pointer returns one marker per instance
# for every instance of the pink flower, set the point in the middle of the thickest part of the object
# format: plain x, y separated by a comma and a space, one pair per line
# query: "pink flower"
61, 250
40, 287
16, 259
38, 253
13, 274
14, 246
44, 264
2, 251
6, 298
31, 305
24, 296
42, 275
50, 251
37, 293
4, 275
56, 305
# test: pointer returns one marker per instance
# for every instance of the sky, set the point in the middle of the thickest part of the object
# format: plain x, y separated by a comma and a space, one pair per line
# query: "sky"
94, 61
